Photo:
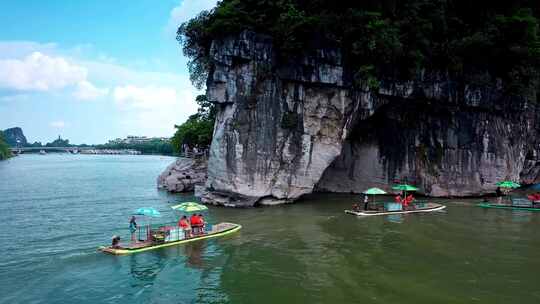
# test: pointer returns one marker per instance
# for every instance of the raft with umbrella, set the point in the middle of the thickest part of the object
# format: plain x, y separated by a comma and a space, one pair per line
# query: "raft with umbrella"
396, 207
530, 203
152, 237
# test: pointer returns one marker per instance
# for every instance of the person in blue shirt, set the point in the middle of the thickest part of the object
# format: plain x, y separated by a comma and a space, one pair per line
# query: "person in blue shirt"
132, 228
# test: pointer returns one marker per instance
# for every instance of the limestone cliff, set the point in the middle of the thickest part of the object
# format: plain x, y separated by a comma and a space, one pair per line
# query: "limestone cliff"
285, 128
15, 137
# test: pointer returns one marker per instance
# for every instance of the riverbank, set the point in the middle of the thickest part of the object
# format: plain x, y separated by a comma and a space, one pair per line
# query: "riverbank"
189, 175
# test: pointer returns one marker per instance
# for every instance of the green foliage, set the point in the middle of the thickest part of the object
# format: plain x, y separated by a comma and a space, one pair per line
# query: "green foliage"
59, 142
384, 39
35, 144
198, 129
4, 148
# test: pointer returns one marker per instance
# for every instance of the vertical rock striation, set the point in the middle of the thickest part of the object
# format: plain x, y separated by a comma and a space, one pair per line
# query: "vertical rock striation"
285, 128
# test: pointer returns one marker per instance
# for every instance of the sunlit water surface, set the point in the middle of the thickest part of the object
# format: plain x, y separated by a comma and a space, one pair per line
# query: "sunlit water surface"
56, 209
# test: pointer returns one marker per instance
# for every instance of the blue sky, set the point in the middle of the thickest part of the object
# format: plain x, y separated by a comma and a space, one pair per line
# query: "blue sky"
91, 71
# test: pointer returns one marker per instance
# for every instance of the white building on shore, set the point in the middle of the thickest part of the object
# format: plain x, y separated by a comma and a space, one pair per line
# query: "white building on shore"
130, 139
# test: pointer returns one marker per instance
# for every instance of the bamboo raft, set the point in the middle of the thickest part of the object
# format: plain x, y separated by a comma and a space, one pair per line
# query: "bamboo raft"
218, 230
427, 207
509, 206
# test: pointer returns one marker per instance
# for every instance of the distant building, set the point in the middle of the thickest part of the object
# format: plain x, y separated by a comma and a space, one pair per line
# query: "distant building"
137, 140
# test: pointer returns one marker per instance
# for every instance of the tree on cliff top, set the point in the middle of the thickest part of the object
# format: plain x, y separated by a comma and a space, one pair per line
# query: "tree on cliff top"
198, 129
388, 39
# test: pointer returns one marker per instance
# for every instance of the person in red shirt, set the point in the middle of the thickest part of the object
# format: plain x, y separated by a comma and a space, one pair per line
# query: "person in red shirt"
184, 225
408, 200
195, 222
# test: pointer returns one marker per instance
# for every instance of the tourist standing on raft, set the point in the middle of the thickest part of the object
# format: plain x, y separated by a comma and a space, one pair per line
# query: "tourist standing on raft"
498, 193
202, 224
132, 228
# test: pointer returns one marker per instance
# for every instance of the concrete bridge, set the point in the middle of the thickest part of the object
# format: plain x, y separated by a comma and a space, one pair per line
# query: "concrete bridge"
82, 150
50, 149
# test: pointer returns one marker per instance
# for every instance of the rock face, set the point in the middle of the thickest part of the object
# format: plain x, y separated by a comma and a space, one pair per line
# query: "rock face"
183, 175
15, 137
446, 152
286, 128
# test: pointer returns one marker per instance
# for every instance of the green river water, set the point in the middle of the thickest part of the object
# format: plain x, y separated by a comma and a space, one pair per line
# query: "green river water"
58, 208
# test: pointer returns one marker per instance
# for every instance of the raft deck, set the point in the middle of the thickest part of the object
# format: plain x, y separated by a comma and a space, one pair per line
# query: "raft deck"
508, 206
220, 229
427, 207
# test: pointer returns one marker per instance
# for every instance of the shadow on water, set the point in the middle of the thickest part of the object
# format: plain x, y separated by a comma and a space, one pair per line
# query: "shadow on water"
144, 268
194, 254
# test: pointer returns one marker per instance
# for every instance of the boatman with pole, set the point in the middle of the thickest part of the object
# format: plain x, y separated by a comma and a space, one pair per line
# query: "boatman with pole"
365, 202
132, 228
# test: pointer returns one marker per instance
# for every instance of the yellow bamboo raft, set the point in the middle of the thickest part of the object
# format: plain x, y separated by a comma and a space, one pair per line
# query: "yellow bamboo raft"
218, 230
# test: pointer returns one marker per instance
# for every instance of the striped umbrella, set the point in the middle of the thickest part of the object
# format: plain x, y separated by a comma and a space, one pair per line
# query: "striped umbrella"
189, 207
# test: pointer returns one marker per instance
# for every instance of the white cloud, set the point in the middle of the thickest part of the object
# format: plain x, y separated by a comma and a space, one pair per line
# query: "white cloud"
59, 124
18, 49
142, 101
39, 72
155, 109
87, 91
185, 11
145, 97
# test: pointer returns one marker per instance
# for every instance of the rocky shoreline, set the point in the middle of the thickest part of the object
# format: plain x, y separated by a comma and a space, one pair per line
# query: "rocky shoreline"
183, 175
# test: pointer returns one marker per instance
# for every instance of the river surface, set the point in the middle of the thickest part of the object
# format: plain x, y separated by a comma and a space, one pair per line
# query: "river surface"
58, 208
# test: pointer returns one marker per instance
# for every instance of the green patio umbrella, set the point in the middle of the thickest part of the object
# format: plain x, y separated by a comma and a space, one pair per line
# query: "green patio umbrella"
405, 187
374, 191
147, 211
190, 207
508, 184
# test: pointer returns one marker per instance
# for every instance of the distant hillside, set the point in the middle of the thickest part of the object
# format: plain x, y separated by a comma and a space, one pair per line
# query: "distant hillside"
12, 135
